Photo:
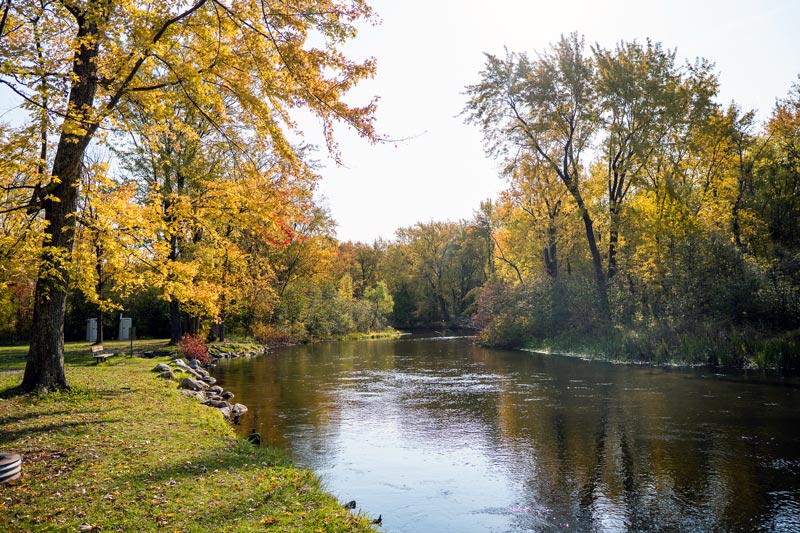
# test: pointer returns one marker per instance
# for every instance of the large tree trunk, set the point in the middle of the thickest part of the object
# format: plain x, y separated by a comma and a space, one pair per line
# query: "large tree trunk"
597, 262
193, 325
599, 274
601, 281
616, 195
551, 251
44, 370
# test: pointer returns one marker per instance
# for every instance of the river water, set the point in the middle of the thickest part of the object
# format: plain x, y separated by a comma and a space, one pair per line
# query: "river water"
438, 435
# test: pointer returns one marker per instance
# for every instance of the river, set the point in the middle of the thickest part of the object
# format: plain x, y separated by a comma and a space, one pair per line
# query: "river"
438, 435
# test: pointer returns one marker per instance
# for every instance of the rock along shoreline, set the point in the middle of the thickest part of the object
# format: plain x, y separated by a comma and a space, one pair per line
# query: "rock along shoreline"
196, 382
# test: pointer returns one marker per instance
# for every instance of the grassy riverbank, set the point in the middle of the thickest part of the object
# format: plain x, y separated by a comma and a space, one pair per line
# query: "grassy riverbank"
388, 333
125, 451
703, 345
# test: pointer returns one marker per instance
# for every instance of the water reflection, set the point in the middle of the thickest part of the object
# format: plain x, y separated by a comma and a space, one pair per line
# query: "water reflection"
441, 435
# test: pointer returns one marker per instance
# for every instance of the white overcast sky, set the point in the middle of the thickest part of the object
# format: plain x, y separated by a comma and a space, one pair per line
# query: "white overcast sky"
429, 50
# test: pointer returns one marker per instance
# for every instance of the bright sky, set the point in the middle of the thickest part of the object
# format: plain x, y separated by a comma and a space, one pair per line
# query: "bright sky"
429, 50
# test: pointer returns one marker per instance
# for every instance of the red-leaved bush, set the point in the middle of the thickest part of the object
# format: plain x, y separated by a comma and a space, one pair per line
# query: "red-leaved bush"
193, 347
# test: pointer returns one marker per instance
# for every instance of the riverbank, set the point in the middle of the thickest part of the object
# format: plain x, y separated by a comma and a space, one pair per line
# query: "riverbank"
124, 450
704, 345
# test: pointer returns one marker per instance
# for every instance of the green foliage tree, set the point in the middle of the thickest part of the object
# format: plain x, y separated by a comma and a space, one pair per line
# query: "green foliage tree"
694, 199
382, 303
548, 107
437, 266
642, 97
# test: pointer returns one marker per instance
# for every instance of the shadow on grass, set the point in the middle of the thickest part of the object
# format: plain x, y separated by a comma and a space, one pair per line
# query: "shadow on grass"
13, 357
239, 456
12, 419
16, 391
109, 394
13, 392
9, 437
14, 364
212, 472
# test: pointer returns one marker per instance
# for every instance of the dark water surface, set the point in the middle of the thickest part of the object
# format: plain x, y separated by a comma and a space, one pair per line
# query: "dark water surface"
441, 435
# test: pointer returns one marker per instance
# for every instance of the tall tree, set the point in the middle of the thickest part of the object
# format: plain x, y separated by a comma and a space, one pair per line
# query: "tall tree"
267, 57
428, 251
442, 263
778, 189
176, 165
362, 263
484, 224
641, 98
547, 106
20, 230
536, 191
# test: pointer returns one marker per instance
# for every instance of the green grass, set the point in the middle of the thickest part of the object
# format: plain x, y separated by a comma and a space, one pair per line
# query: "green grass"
389, 333
77, 353
705, 344
124, 451
237, 346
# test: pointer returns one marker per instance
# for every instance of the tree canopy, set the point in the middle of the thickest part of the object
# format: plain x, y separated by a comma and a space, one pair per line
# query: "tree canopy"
88, 69
161, 170
665, 182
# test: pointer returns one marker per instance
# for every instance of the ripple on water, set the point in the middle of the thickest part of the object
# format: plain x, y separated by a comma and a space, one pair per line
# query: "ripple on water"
784, 512
526, 516
435, 444
438, 384
790, 465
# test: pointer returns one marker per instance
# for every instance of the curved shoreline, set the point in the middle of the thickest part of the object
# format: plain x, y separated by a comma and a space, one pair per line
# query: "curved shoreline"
124, 449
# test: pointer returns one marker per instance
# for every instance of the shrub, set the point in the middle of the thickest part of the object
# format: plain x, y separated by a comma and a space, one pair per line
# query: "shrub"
505, 331
193, 347
270, 335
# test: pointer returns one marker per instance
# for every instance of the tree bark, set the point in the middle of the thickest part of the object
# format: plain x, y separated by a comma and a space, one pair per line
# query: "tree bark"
44, 370
597, 263
175, 331
613, 240
193, 325
100, 321
551, 251
599, 275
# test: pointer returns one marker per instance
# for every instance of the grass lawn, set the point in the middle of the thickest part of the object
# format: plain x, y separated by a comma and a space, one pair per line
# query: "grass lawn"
76, 353
124, 451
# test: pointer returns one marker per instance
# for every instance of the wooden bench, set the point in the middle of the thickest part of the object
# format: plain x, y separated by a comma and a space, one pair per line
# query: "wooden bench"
99, 353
